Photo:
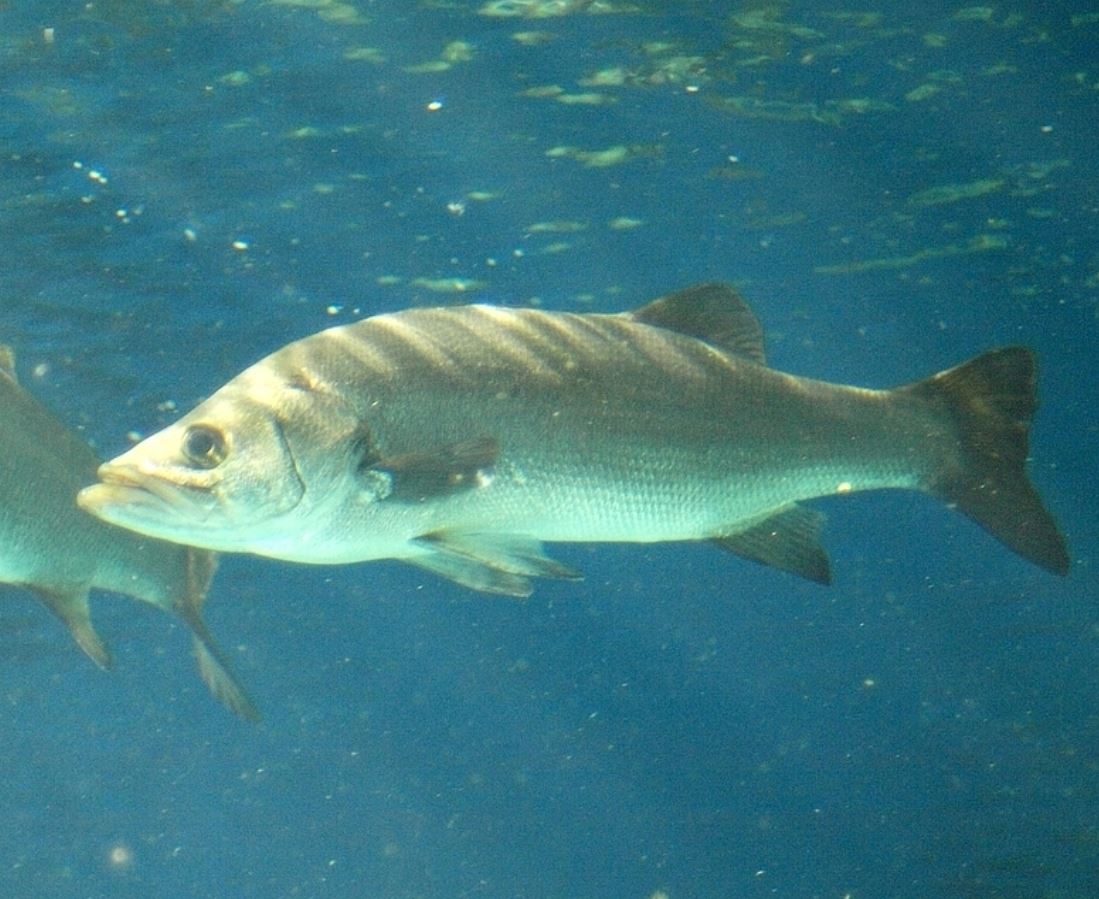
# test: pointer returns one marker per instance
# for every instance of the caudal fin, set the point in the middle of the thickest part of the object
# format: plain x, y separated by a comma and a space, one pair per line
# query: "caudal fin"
212, 665
992, 400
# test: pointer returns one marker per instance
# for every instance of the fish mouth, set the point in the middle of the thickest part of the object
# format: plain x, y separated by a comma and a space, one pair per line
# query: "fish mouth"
125, 495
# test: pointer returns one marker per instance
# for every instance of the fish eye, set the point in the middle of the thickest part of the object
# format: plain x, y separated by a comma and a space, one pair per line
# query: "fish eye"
204, 446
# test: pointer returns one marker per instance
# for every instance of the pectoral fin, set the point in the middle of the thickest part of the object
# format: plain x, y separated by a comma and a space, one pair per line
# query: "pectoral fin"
789, 541
418, 477
71, 606
491, 563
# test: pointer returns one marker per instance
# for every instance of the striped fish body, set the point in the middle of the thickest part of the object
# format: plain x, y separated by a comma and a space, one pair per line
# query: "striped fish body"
460, 438
609, 429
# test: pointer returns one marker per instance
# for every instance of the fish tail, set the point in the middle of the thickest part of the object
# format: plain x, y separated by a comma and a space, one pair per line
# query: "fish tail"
991, 400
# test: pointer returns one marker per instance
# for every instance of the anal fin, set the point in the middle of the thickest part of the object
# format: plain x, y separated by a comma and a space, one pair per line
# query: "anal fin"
788, 540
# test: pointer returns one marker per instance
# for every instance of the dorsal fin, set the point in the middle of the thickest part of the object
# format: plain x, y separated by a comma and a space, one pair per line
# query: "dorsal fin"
7, 362
714, 313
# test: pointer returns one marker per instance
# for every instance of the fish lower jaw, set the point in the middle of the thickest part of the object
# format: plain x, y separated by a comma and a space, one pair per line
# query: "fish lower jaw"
144, 504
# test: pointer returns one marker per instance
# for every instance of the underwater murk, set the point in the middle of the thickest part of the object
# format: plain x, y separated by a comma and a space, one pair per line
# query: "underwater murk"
584, 258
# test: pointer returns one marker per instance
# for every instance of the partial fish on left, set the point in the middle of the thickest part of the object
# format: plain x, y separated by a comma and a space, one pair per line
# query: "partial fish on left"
59, 552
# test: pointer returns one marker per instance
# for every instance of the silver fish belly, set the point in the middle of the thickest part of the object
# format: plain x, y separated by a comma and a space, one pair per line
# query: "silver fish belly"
460, 439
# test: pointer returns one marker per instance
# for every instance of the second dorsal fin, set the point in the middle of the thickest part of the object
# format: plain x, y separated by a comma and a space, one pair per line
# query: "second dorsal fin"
714, 313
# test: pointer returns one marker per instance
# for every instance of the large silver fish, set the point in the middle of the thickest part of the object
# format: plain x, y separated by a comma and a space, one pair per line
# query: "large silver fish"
52, 548
459, 439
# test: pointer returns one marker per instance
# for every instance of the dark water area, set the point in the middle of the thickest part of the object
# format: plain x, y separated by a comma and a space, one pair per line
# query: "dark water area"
187, 186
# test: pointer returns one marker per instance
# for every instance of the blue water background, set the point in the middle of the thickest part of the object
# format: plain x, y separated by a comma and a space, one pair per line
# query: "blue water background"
186, 186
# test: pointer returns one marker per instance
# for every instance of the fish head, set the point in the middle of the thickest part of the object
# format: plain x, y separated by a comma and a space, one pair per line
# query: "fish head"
224, 477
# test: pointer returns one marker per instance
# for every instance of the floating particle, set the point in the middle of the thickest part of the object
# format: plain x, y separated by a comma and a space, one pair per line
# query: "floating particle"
552, 249
923, 92
235, 79
951, 193
544, 9
764, 20
982, 243
561, 226
596, 159
860, 105
448, 285
428, 68
120, 857
343, 14
974, 14
532, 38
589, 98
329, 10
543, 90
458, 51
613, 77
365, 54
